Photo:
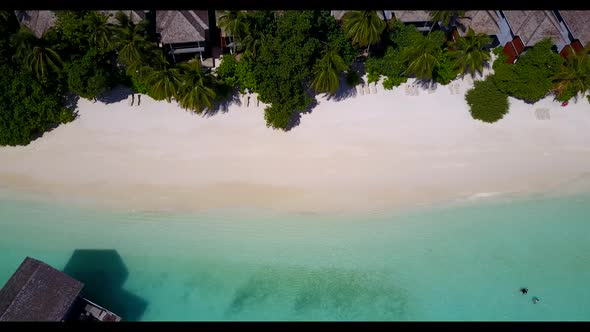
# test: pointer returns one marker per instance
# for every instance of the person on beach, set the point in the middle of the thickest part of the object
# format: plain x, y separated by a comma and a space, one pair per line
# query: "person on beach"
535, 299
524, 290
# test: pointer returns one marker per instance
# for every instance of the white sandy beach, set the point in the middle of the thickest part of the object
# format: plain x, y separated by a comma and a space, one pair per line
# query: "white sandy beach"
363, 153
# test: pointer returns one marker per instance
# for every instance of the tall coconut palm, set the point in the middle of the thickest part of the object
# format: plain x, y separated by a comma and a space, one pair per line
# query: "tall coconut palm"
253, 42
363, 27
130, 41
100, 32
327, 72
163, 81
235, 24
574, 75
35, 55
469, 53
424, 58
195, 92
446, 17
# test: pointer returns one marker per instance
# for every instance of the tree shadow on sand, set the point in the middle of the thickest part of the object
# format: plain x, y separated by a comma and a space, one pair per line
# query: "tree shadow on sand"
104, 273
117, 94
223, 105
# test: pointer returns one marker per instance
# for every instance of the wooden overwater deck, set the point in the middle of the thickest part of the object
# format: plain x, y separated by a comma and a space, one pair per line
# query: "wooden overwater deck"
39, 292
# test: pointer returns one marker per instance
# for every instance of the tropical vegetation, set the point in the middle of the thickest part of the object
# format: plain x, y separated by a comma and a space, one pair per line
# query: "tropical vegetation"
285, 57
486, 102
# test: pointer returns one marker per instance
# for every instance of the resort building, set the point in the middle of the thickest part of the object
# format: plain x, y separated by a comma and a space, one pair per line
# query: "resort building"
38, 292
487, 22
576, 23
38, 21
418, 18
183, 31
136, 16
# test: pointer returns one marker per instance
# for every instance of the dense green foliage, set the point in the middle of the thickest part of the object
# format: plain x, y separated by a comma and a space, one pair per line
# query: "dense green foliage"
326, 72
87, 77
486, 102
363, 27
573, 77
352, 78
469, 53
285, 57
531, 77
28, 108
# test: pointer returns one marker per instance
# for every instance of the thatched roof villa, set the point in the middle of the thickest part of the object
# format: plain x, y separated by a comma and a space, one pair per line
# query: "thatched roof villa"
38, 292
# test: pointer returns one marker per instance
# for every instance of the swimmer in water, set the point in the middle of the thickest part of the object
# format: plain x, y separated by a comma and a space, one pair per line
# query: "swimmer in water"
524, 290
535, 299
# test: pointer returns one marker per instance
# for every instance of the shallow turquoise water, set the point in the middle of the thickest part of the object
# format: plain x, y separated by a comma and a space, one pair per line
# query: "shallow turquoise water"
461, 263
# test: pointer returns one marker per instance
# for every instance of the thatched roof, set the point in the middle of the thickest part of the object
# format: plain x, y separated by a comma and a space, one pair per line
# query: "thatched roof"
38, 21
182, 26
578, 23
481, 21
412, 15
535, 25
338, 14
37, 292
136, 16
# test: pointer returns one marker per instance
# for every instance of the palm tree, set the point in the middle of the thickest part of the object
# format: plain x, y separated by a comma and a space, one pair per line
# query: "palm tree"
424, 54
326, 72
574, 75
252, 42
364, 27
100, 32
446, 17
234, 23
163, 81
469, 53
34, 54
195, 92
131, 42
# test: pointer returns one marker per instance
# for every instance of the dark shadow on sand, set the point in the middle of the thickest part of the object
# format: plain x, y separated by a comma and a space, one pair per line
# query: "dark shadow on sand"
115, 95
104, 273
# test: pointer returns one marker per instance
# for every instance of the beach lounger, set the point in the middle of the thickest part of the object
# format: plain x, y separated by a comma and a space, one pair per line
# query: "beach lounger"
374, 87
367, 89
431, 89
362, 89
542, 114
407, 89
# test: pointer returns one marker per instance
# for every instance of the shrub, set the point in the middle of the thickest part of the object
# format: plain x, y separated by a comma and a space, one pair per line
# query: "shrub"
28, 108
373, 77
278, 116
139, 86
390, 82
353, 78
227, 69
486, 102
530, 78
88, 76
498, 50
566, 95
445, 72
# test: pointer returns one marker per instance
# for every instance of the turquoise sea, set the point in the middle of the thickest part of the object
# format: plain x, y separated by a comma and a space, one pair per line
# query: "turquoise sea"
461, 262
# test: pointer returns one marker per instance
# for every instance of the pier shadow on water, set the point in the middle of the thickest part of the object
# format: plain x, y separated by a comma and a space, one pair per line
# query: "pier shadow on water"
104, 273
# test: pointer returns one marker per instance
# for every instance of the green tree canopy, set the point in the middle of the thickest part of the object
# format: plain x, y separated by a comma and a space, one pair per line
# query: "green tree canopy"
27, 107
486, 102
327, 72
469, 53
195, 91
531, 77
363, 27
573, 76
